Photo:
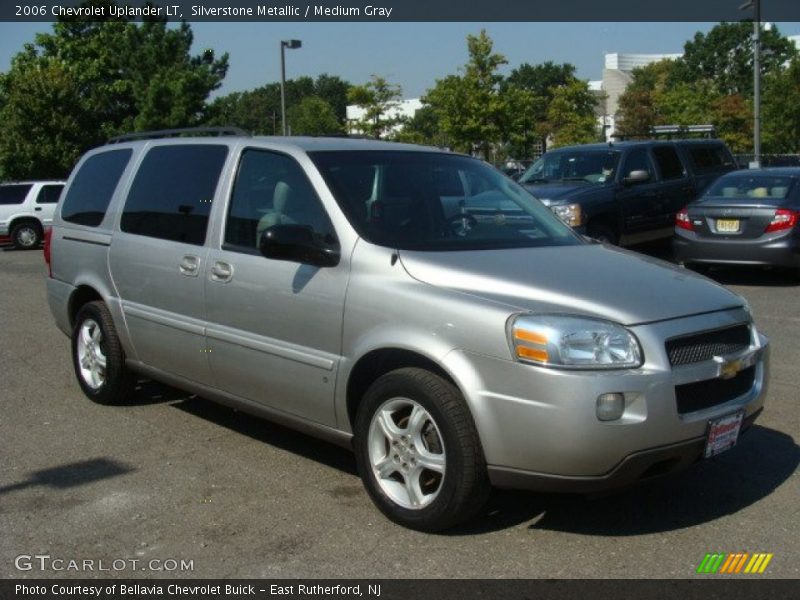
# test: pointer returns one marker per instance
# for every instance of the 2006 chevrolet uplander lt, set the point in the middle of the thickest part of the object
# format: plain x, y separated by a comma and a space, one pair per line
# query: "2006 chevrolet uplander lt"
412, 303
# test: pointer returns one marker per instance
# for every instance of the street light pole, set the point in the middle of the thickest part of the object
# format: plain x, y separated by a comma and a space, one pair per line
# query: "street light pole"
756, 5
292, 45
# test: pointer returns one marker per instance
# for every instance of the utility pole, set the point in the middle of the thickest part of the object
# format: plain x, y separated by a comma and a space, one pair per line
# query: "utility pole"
291, 44
756, 5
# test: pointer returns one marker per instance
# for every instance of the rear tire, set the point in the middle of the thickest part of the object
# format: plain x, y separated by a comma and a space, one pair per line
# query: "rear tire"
98, 358
26, 235
418, 452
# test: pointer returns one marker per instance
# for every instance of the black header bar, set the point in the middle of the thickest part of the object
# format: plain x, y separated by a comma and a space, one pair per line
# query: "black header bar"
408, 10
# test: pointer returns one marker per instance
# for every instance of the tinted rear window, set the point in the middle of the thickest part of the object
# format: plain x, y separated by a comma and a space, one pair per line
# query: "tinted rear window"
49, 194
88, 197
13, 194
171, 195
710, 158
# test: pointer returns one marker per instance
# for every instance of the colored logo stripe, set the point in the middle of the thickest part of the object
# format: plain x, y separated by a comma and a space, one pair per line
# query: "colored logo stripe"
721, 562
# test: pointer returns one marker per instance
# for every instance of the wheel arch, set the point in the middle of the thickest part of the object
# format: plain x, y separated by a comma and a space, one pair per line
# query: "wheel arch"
375, 363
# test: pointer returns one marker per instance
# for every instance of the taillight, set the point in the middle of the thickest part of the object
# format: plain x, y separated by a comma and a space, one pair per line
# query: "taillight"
682, 220
48, 233
783, 219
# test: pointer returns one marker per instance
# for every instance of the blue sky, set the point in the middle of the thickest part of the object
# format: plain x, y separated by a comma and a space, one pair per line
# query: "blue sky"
413, 55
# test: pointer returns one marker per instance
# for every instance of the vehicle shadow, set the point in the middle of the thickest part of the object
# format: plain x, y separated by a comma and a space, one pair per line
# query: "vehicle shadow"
270, 433
71, 475
726, 484
723, 485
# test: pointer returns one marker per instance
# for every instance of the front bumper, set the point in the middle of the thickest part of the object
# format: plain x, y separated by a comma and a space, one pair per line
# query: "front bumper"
634, 468
539, 425
779, 250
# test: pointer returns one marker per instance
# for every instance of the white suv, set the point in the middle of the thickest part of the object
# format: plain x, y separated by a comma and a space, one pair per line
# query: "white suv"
26, 208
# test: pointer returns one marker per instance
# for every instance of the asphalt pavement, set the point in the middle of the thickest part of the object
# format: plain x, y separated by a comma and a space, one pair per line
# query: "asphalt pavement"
172, 477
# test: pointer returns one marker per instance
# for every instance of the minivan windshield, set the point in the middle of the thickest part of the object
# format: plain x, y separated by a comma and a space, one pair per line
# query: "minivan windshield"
436, 201
591, 166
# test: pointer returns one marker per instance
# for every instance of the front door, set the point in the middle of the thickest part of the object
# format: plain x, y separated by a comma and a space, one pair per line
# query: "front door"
274, 326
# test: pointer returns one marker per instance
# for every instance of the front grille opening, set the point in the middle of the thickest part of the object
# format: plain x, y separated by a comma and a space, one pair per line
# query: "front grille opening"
699, 347
692, 397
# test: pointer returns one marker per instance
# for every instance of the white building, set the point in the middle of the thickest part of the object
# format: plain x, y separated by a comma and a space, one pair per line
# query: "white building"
617, 74
405, 109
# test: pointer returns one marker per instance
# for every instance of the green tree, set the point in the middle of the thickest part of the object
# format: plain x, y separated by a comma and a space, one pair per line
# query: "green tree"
781, 110
40, 140
424, 128
119, 77
313, 116
378, 98
259, 110
470, 107
570, 115
724, 56
640, 105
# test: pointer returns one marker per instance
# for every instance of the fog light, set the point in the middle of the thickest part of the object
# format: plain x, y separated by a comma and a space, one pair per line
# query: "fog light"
610, 406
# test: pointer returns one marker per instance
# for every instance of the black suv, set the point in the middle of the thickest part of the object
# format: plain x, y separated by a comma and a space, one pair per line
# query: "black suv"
626, 192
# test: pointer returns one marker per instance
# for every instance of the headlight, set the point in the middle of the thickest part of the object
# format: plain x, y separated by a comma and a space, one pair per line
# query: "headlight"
573, 342
569, 213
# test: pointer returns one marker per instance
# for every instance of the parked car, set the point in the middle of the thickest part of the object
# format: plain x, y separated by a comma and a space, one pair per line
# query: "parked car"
745, 218
26, 209
627, 192
412, 304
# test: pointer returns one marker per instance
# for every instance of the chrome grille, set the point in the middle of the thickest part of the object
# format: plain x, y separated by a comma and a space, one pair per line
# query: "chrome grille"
706, 345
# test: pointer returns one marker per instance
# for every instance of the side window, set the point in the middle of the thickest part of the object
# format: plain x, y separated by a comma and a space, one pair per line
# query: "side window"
271, 189
88, 196
171, 195
49, 194
13, 194
669, 164
709, 158
638, 160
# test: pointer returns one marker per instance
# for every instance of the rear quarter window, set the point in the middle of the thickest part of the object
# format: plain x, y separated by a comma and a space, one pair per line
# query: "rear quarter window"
13, 194
91, 190
49, 194
707, 159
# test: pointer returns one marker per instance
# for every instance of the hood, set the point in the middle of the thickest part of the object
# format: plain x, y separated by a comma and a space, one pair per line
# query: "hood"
590, 280
558, 191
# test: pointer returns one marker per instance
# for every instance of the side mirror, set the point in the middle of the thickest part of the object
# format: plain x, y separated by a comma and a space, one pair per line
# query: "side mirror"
638, 176
297, 243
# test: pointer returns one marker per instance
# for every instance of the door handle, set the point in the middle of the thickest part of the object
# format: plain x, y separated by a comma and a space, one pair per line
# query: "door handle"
190, 265
38, 209
221, 272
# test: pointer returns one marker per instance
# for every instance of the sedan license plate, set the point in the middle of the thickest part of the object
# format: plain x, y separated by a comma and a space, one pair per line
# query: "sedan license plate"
727, 225
723, 433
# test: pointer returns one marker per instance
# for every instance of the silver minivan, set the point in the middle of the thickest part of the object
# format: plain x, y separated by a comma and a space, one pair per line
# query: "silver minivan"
412, 304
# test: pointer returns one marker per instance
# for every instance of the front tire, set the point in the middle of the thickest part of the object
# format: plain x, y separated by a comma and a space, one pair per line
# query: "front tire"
98, 358
418, 452
603, 234
26, 236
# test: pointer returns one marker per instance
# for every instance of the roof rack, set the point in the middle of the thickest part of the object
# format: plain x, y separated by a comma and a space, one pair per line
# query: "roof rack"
670, 131
164, 133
